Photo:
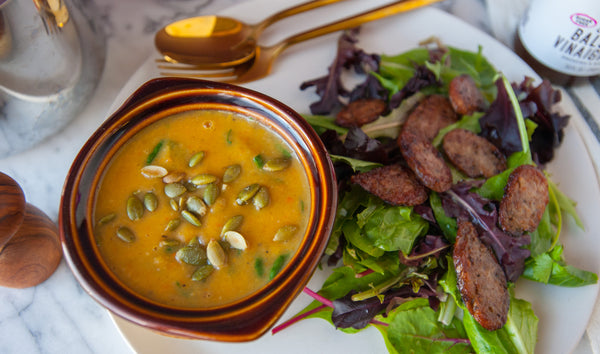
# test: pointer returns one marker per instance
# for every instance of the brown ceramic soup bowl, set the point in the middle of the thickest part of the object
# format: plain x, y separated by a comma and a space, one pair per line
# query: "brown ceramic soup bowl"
91, 235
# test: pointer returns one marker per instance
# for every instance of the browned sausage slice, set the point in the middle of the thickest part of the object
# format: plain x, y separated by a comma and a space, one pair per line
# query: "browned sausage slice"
360, 112
433, 113
394, 184
472, 154
480, 279
425, 161
465, 96
524, 201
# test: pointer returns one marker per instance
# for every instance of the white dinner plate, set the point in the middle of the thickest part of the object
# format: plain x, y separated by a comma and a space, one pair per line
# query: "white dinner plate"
563, 312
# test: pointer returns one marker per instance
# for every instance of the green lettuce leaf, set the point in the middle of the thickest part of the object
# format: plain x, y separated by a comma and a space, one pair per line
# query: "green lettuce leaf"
395, 71
550, 268
518, 335
446, 223
470, 123
393, 228
565, 203
356, 164
414, 328
323, 123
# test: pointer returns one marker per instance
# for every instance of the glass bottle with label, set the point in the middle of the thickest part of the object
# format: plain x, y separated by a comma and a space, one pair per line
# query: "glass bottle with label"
560, 39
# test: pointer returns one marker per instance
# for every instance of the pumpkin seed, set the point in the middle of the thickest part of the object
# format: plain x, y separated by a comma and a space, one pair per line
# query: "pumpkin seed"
216, 255
231, 173
135, 208
203, 179
193, 253
211, 192
150, 201
224, 245
235, 240
261, 199
203, 272
285, 233
196, 159
190, 186
195, 205
169, 244
277, 164
232, 224
174, 205
191, 218
154, 171
174, 190
247, 193
173, 224
107, 218
173, 177
125, 234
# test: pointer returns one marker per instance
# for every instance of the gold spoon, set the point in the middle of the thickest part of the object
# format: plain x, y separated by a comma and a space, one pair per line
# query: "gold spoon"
262, 62
215, 41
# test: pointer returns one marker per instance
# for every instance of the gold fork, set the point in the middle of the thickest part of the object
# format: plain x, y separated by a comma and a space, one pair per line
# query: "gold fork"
262, 63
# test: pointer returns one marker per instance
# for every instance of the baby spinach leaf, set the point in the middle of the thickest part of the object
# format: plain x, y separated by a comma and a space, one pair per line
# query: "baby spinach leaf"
518, 335
356, 237
414, 329
361, 261
393, 228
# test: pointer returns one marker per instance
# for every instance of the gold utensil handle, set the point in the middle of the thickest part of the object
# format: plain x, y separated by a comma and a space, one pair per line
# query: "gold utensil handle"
306, 6
355, 21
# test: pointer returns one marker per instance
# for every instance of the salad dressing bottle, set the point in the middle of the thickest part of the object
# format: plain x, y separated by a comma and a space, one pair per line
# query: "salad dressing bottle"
560, 39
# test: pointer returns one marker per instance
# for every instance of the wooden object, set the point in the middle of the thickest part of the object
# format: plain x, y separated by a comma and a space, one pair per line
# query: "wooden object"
30, 248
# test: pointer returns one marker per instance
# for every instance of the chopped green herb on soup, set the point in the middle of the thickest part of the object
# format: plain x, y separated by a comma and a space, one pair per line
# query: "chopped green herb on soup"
174, 209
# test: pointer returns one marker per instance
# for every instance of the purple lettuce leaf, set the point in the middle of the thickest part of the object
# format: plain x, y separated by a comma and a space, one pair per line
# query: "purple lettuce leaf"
499, 124
330, 87
430, 245
358, 145
355, 314
422, 78
370, 88
460, 202
550, 130
358, 314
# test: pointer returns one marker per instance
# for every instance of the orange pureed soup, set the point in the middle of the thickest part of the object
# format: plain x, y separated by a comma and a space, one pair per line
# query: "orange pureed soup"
201, 208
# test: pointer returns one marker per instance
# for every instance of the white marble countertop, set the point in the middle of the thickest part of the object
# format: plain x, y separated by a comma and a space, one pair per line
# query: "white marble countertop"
58, 316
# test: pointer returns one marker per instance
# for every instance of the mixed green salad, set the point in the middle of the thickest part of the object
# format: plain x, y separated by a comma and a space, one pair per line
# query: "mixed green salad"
392, 265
